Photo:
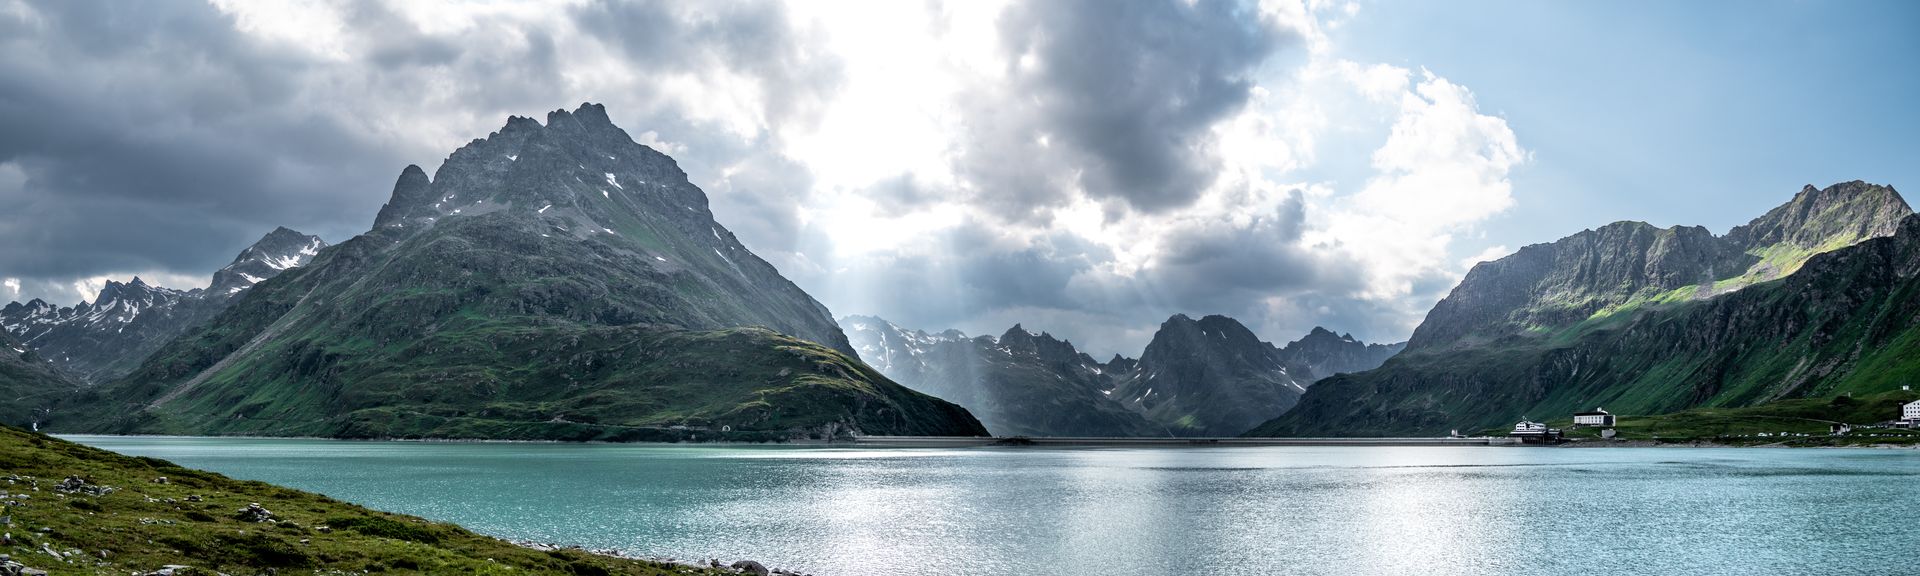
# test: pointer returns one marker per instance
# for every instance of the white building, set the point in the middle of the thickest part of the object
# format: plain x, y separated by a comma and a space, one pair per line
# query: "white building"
1911, 412
1598, 417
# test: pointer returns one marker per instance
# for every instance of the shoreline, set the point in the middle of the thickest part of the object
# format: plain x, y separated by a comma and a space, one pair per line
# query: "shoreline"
1087, 442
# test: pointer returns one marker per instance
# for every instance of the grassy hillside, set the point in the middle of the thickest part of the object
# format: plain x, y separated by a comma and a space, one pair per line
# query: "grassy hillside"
121, 521
508, 380
1847, 323
1810, 416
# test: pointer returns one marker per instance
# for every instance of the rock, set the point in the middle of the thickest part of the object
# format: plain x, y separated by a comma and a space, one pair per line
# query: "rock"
78, 485
254, 513
751, 567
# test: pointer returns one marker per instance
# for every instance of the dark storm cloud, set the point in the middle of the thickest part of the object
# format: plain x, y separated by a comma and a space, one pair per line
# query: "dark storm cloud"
1256, 271
157, 136
142, 131
1116, 97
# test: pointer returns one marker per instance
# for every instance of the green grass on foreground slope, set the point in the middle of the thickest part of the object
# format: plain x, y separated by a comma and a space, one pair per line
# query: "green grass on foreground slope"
141, 525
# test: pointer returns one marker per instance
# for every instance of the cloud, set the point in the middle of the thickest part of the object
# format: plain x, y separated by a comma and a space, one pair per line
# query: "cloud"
1443, 168
1083, 167
13, 286
1112, 100
160, 138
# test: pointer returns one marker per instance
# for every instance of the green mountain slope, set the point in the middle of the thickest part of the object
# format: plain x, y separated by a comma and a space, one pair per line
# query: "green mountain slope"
1839, 321
29, 384
552, 281
124, 522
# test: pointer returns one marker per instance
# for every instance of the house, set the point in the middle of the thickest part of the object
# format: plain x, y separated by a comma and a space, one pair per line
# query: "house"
1598, 417
1910, 412
1531, 432
1839, 429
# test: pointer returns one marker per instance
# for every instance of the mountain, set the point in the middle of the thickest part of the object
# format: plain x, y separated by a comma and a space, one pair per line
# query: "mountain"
1211, 377
1206, 377
1625, 265
1816, 298
108, 337
1326, 354
1020, 384
551, 281
29, 383
276, 252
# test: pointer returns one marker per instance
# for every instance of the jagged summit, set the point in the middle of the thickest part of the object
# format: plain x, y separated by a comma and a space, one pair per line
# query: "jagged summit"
278, 251
1617, 268
577, 170
1020, 383
100, 340
555, 281
1211, 377
578, 183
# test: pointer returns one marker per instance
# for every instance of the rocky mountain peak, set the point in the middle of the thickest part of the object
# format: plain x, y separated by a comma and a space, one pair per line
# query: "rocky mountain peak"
1622, 267
1832, 217
278, 251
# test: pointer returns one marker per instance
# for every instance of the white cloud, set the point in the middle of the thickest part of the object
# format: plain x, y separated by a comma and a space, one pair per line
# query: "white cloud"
854, 144
88, 289
1490, 254
13, 287
1442, 169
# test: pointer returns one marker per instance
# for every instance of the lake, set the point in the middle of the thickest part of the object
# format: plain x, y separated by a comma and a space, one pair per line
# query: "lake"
1127, 511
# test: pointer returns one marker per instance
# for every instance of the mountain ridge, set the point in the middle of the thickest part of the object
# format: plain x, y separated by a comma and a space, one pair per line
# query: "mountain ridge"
550, 282
108, 337
1032, 384
1833, 321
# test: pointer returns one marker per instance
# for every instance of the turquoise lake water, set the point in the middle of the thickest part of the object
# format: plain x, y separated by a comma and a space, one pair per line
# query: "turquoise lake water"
1125, 511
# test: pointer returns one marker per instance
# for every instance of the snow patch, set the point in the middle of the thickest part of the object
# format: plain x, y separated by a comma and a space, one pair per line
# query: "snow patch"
512, 157
614, 181
543, 209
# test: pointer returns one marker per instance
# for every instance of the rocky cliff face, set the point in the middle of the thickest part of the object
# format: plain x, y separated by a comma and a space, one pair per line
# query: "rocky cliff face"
1211, 377
278, 251
553, 280
104, 339
1832, 319
1019, 384
1326, 354
1625, 265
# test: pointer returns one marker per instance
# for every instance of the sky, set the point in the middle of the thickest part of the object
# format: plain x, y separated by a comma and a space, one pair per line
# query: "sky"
1081, 167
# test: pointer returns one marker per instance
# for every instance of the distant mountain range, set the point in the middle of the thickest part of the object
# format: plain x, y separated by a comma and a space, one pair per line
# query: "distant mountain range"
554, 280
104, 339
560, 281
1206, 377
1815, 298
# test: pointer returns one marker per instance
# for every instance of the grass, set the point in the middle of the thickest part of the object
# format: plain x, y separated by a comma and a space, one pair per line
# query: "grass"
191, 519
1809, 416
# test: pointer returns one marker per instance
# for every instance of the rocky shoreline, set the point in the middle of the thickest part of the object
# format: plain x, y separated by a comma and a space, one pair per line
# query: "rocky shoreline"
738, 566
